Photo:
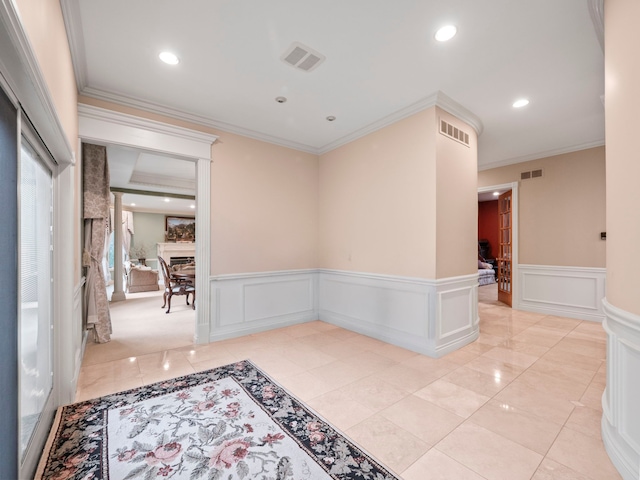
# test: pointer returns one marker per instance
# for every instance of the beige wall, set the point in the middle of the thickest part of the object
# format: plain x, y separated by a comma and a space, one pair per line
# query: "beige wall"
44, 25
264, 202
456, 202
377, 201
561, 214
622, 99
401, 201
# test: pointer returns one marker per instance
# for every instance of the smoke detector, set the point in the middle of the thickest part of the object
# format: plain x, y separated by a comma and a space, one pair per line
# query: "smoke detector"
302, 57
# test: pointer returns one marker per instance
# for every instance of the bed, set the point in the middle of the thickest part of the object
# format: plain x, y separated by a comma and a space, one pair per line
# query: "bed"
486, 276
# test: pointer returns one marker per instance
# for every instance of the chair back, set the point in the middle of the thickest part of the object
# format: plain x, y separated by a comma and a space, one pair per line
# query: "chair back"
165, 272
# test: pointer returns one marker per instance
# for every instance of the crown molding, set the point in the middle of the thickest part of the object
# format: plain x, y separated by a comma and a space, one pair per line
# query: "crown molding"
545, 154
193, 118
437, 99
73, 26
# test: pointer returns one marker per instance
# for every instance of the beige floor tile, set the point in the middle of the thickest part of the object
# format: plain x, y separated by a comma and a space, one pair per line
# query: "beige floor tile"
423, 419
306, 357
584, 454
369, 362
551, 385
562, 372
475, 347
374, 393
518, 425
460, 356
405, 377
576, 360
593, 396
456, 399
340, 409
586, 420
430, 366
212, 363
505, 355
489, 454
435, 465
477, 381
338, 373
340, 349
559, 323
306, 386
395, 353
492, 340
596, 350
550, 470
524, 347
532, 400
392, 445
106, 388
495, 368
546, 337
108, 372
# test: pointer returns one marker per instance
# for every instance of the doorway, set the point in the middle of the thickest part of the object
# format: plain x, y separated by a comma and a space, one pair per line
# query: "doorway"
503, 242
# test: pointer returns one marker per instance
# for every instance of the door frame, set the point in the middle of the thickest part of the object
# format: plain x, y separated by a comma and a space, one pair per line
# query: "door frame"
102, 126
515, 277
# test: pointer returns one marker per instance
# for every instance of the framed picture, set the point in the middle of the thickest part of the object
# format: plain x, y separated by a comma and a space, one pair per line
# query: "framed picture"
180, 229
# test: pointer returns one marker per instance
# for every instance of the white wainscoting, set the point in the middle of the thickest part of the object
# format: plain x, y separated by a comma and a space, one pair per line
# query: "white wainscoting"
432, 317
620, 418
254, 302
574, 292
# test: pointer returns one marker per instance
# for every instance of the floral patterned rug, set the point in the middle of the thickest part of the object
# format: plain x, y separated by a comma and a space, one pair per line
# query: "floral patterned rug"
232, 422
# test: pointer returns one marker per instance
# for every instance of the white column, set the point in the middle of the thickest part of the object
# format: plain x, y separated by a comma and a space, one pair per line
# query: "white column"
203, 251
118, 292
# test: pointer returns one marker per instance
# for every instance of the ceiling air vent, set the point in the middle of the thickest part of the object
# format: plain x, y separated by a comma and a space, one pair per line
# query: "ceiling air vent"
302, 57
454, 133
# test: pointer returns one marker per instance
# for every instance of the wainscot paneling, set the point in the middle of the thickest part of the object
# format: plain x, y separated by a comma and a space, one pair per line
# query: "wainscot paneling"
620, 418
248, 303
432, 317
575, 292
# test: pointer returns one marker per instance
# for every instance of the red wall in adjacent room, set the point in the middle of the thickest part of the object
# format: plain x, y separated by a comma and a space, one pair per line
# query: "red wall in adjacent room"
488, 224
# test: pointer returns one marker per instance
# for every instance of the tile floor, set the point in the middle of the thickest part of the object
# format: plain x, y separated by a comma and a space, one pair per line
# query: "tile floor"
521, 402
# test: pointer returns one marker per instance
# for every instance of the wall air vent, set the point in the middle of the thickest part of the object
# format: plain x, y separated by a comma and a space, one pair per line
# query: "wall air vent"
454, 133
302, 57
532, 174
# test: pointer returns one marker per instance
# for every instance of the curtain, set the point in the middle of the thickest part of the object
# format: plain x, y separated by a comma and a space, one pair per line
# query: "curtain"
96, 198
127, 232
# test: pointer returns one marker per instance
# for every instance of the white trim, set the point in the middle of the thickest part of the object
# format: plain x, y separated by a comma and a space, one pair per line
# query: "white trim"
433, 317
193, 118
620, 419
250, 303
515, 235
106, 126
73, 26
21, 71
536, 156
574, 292
437, 99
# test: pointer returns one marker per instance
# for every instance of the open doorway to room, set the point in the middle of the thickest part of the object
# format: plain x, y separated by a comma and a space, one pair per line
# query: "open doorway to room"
497, 244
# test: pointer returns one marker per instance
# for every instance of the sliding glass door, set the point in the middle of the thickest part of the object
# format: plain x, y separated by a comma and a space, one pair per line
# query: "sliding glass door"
35, 298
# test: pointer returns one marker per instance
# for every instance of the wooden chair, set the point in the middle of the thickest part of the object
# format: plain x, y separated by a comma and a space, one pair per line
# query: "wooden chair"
173, 287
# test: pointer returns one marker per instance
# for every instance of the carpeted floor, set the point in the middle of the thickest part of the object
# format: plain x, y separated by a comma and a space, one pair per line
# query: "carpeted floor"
232, 422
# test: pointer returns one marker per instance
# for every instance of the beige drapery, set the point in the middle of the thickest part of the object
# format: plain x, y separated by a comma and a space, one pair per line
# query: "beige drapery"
96, 224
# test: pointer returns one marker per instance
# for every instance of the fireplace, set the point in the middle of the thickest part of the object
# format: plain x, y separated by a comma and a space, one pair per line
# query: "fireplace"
181, 260
180, 251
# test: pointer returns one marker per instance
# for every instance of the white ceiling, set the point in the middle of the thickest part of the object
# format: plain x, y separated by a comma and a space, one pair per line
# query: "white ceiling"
382, 62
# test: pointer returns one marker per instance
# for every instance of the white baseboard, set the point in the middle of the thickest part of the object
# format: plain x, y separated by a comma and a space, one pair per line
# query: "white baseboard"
243, 304
574, 292
432, 317
620, 418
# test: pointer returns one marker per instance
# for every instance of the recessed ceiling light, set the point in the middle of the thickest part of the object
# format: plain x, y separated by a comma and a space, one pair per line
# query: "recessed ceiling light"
170, 58
495, 194
192, 206
133, 204
166, 200
523, 102
446, 33
331, 118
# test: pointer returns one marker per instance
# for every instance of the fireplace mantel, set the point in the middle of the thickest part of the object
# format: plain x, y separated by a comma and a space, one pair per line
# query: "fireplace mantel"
168, 250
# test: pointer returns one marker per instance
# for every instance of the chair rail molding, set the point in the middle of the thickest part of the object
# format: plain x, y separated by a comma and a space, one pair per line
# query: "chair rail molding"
574, 292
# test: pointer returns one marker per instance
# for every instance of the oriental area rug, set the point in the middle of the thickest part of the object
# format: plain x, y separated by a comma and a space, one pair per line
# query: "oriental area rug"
232, 422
